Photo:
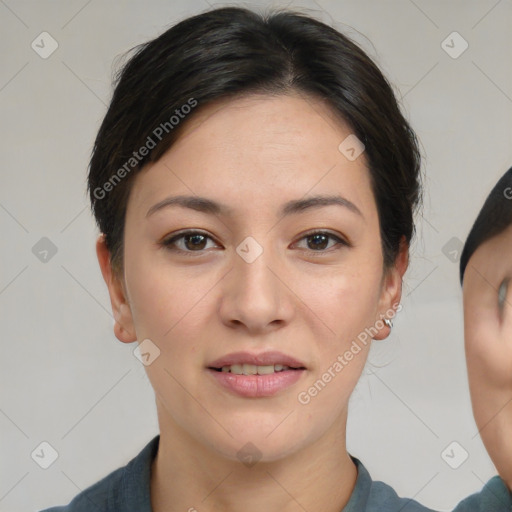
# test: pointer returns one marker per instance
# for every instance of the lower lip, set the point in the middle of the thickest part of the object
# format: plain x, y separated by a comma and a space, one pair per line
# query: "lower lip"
255, 386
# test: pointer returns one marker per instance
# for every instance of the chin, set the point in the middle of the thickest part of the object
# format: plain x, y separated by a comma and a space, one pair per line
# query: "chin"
263, 436
258, 448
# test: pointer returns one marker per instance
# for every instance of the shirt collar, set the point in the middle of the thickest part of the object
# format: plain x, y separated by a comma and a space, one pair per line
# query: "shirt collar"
359, 497
135, 492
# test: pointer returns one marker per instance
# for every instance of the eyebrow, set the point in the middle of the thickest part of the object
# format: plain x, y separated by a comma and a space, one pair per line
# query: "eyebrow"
295, 206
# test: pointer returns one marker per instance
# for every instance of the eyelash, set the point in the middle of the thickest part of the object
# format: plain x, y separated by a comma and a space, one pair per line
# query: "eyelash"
168, 243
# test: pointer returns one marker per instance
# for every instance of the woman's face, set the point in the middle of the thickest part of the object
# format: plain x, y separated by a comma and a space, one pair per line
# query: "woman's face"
251, 281
487, 294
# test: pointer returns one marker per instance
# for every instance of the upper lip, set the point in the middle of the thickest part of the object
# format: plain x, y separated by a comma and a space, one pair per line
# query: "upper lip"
263, 359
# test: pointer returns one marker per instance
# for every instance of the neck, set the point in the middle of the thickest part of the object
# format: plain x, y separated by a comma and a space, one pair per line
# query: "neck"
188, 476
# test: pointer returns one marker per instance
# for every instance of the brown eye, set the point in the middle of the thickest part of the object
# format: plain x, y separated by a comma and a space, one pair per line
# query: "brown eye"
187, 242
318, 241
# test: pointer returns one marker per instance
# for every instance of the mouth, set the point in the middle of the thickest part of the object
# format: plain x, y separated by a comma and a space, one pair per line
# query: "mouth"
264, 363
252, 369
256, 375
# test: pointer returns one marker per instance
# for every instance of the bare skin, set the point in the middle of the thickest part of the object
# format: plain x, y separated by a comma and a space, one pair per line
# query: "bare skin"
488, 341
253, 155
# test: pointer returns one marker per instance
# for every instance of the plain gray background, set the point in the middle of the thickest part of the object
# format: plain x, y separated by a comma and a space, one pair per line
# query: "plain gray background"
66, 380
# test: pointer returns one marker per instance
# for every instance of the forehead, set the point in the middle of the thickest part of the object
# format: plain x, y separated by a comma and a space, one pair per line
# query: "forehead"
258, 148
491, 262
497, 248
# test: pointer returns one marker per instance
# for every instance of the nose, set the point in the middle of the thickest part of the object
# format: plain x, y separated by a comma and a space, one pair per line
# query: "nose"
255, 295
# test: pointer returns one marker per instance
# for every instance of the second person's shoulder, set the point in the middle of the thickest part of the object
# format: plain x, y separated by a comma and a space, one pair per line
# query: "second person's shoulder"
377, 496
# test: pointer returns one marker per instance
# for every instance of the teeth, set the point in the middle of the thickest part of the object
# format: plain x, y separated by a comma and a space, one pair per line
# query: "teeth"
252, 369
236, 368
265, 370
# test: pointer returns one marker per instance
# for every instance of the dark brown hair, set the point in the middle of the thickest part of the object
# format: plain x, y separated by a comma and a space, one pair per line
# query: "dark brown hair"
230, 52
494, 217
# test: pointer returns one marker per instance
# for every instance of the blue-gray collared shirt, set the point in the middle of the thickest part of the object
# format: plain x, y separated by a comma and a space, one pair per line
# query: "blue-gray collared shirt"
127, 489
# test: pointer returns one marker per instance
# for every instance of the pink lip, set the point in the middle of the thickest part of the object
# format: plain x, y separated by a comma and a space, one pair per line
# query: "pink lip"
263, 359
255, 386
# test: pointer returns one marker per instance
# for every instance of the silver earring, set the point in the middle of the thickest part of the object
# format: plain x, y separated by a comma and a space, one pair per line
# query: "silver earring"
388, 322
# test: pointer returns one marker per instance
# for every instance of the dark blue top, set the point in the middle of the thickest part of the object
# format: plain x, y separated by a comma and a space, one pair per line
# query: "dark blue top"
127, 489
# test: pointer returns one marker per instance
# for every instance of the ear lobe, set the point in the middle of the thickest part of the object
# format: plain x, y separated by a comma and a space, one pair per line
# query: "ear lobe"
123, 320
392, 288
123, 326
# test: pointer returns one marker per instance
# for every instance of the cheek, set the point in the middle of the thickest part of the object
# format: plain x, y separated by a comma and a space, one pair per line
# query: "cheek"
476, 294
169, 309
166, 304
344, 305
345, 299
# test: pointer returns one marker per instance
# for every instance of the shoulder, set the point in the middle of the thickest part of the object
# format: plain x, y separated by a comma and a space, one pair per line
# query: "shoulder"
96, 496
494, 497
124, 489
376, 496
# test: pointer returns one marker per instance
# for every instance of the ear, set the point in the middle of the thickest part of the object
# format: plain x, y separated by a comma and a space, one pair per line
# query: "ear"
123, 320
391, 291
